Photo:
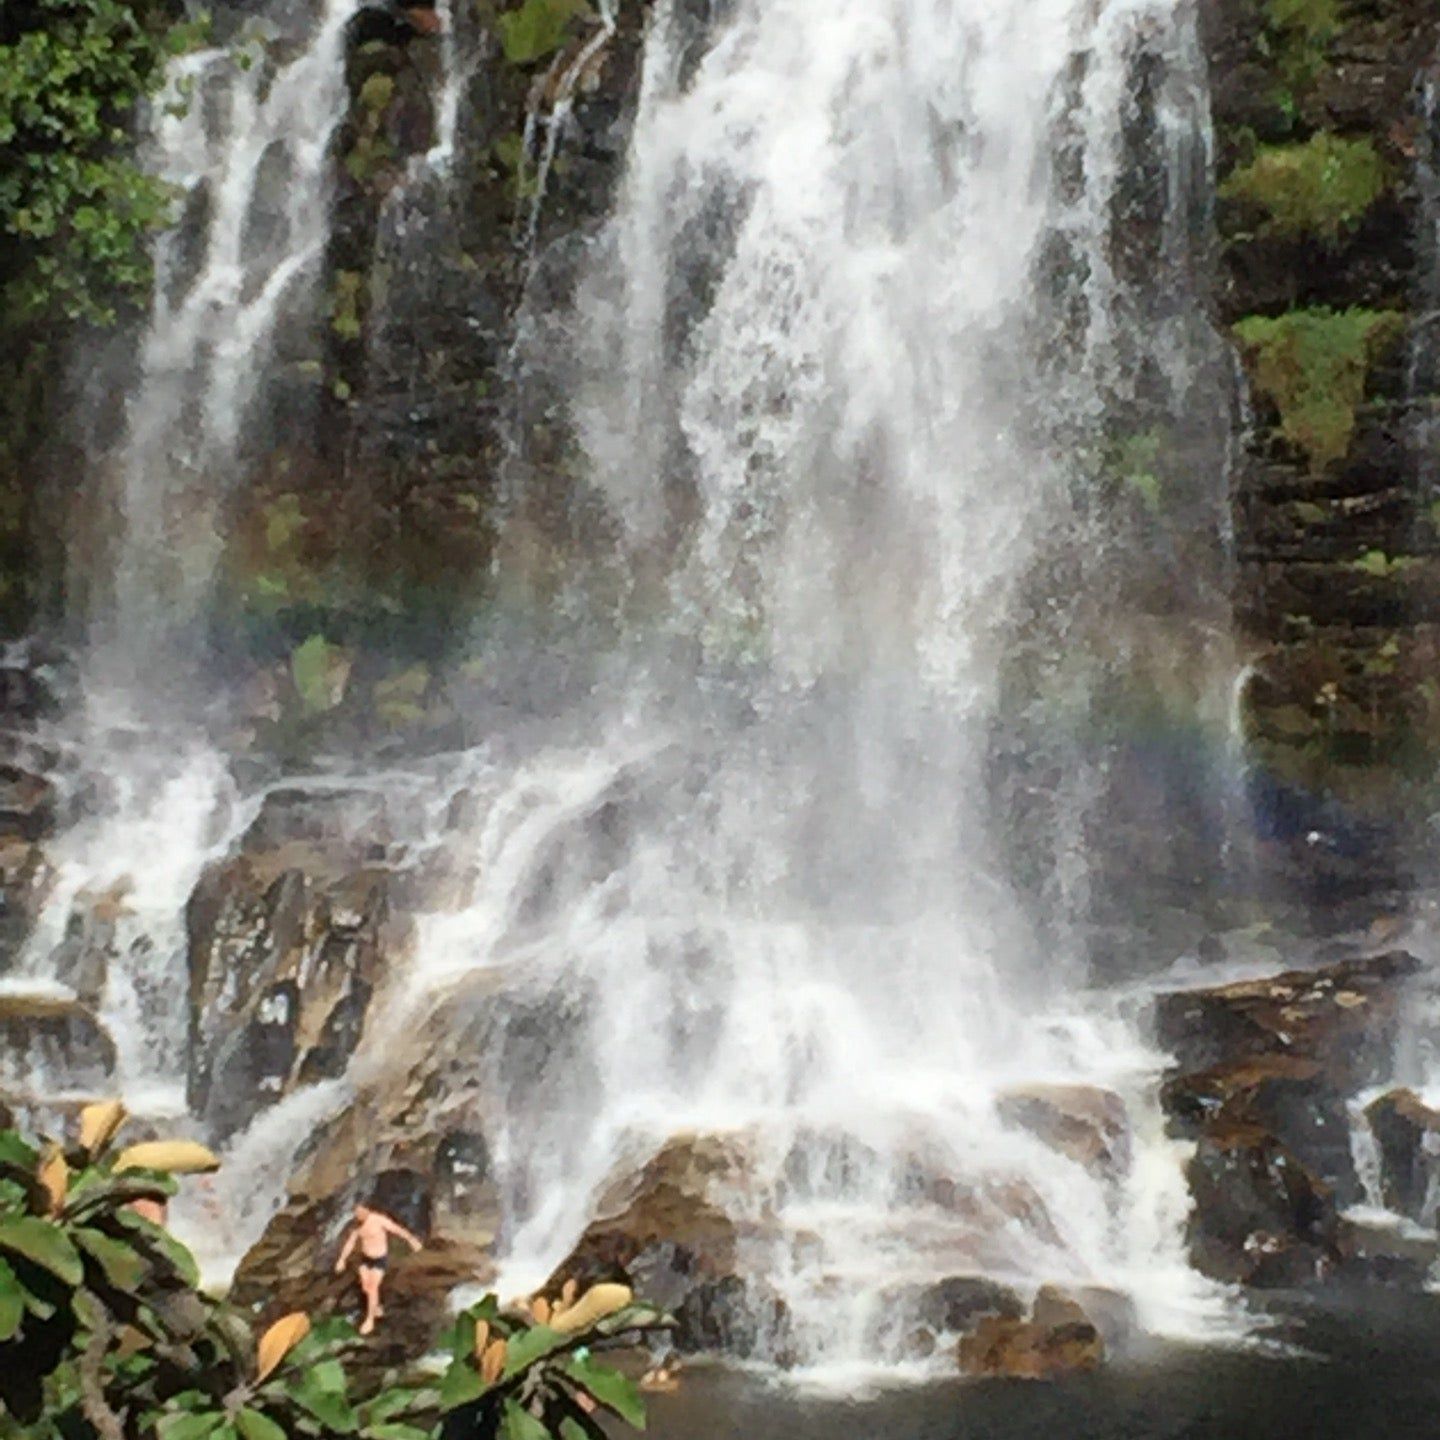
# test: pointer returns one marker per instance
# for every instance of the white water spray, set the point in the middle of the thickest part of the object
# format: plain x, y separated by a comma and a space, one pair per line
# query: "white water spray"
814, 317
247, 147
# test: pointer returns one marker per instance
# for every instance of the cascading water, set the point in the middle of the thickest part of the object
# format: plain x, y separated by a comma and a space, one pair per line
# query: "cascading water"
245, 142
247, 146
768, 903
747, 879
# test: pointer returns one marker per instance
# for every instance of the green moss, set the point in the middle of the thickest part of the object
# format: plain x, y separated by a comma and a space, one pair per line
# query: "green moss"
345, 304
371, 152
377, 92
538, 28
399, 699
1381, 565
1322, 187
1314, 365
1299, 33
1313, 19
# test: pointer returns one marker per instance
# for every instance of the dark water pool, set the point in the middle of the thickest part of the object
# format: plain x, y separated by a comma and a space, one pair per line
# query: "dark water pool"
1371, 1368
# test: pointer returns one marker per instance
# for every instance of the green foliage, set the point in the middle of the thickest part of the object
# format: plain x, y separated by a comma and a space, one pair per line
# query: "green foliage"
346, 303
400, 698
309, 1393
538, 28
1314, 365
320, 672
78, 1268
1322, 187
103, 1333
75, 207
1313, 19
539, 1381
1299, 33
1381, 565
377, 92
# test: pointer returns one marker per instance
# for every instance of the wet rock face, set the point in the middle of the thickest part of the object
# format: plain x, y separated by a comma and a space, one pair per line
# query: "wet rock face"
1407, 1135
670, 1236
1324, 281
285, 955
1086, 1124
52, 1046
1342, 1017
1261, 1217
1266, 1069
1058, 1339
407, 1151
25, 878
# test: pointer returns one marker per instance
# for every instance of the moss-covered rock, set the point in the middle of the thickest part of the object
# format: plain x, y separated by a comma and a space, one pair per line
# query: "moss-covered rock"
1320, 187
1313, 366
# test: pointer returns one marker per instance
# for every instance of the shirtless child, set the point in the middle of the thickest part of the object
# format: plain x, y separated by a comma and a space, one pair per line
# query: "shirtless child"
371, 1232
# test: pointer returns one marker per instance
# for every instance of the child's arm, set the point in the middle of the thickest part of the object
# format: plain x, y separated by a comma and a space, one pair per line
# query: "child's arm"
396, 1228
351, 1240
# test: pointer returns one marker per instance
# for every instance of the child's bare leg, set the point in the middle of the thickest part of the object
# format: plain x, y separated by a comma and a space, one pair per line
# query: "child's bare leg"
370, 1285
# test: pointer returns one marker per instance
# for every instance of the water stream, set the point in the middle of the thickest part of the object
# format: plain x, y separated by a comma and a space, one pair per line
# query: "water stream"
748, 880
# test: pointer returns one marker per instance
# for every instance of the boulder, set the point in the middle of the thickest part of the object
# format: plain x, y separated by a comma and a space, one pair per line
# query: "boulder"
670, 1234
1058, 1339
1407, 1135
83, 958
1260, 1217
1380, 1254
414, 1154
27, 803
1292, 1098
1266, 1068
283, 965
25, 880
954, 1305
1342, 1016
1083, 1122
50, 1045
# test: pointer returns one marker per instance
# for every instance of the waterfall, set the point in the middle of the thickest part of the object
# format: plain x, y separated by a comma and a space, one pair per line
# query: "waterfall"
247, 147
836, 374
760, 893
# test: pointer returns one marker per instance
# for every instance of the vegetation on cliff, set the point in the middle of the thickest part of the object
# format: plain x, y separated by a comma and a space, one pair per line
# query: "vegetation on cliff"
1313, 365
1321, 188
76, 204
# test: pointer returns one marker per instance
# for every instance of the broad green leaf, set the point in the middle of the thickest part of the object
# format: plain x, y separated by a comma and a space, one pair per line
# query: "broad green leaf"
537, 28
610, 1388
520, 1424
580, 1427
387, 1405
40, 1308
531, 1345
461, 1385
252, 1425
124, 1268
328, 1376
15, 1154
397, 1432
188, 1425
330, 1409
161, 1246
43, 1244
12, 1303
